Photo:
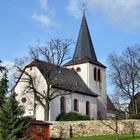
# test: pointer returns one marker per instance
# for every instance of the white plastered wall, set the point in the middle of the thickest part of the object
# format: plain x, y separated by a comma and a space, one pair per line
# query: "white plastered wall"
87, 74
55, 105
41, 85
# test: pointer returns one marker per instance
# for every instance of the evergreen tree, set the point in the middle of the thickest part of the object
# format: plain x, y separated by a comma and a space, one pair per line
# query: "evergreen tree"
12, 122
3, 84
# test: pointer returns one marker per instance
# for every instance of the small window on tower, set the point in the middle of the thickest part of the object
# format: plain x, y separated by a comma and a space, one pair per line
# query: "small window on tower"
95, 75
72, 69
31, 68
78, 69
99, 75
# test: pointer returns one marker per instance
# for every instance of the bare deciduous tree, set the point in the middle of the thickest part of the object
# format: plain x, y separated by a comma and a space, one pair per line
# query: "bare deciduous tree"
125, 73
131, 126
55, 52
116, 114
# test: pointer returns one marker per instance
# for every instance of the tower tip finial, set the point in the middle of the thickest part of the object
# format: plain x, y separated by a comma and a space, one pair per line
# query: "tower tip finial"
84, 9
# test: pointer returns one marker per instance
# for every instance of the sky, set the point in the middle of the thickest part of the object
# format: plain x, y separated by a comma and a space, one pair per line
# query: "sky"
113, 24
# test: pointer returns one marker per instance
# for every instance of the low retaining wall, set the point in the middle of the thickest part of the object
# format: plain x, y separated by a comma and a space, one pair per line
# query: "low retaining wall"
91, 128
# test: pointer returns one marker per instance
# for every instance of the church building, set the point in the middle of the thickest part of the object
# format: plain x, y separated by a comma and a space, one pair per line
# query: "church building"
83, 77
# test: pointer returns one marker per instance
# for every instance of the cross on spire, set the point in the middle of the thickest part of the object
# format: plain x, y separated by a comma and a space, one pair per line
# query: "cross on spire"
84, 8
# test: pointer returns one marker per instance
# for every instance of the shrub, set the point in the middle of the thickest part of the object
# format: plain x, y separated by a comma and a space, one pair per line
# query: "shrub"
136, 116
72, 116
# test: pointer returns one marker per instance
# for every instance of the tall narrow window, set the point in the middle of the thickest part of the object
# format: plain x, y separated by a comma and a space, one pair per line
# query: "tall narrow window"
76, 105
87, 108
62, 105
95, 76
99, 75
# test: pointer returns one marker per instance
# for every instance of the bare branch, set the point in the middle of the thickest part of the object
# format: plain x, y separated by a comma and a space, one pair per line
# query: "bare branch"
125, 72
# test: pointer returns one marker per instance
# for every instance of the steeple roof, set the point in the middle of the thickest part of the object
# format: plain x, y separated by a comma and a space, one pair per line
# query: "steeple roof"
84, 48
84, 51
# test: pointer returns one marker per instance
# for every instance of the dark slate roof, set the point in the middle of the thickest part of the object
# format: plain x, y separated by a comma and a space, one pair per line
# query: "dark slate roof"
114, 110
84, 51
38, 122
63, 78
110, 105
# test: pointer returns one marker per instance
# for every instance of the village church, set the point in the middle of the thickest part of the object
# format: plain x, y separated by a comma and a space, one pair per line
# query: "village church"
84, 77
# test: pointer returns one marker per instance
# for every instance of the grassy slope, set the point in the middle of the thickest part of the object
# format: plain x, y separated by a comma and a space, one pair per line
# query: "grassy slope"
124, 137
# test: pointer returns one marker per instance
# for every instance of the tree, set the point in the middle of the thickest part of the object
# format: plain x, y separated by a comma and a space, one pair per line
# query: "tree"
116, 112
125, 73
3, 84
55, 53
12, 122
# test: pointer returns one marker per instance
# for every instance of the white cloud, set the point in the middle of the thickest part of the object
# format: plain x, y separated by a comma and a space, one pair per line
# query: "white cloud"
124, 14
47, 16
43, 4
74, 8
44, 20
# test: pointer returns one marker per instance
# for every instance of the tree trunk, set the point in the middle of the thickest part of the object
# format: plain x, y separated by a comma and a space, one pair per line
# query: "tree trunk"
134, 106
116, 128
117, 136
46, 112
34, 107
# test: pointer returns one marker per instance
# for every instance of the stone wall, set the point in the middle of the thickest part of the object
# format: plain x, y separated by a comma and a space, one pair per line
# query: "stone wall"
91, 128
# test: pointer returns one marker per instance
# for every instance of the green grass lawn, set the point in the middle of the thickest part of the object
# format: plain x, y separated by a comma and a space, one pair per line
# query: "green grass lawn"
123, 137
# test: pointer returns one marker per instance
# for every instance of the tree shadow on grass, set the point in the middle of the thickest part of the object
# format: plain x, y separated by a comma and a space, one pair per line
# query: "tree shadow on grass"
130, 138
55, 138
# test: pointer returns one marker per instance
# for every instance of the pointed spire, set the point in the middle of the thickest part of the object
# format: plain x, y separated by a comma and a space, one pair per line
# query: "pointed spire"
84, 47
84, 51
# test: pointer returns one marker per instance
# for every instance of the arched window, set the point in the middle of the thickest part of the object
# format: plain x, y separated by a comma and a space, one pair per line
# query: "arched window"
31, 68
99, 115
99, 75
72, 69
95, 75
78, 69
62, 105
76, 105
87, 108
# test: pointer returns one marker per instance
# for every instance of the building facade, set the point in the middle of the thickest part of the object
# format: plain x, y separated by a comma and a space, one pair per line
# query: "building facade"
81, 83
92, 72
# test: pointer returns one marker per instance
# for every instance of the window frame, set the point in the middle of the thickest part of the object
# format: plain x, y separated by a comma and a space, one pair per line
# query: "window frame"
95, 74
62, 105
76, 105
87, 108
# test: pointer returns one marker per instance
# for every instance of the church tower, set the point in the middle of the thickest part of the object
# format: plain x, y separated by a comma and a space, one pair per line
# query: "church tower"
86, 64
